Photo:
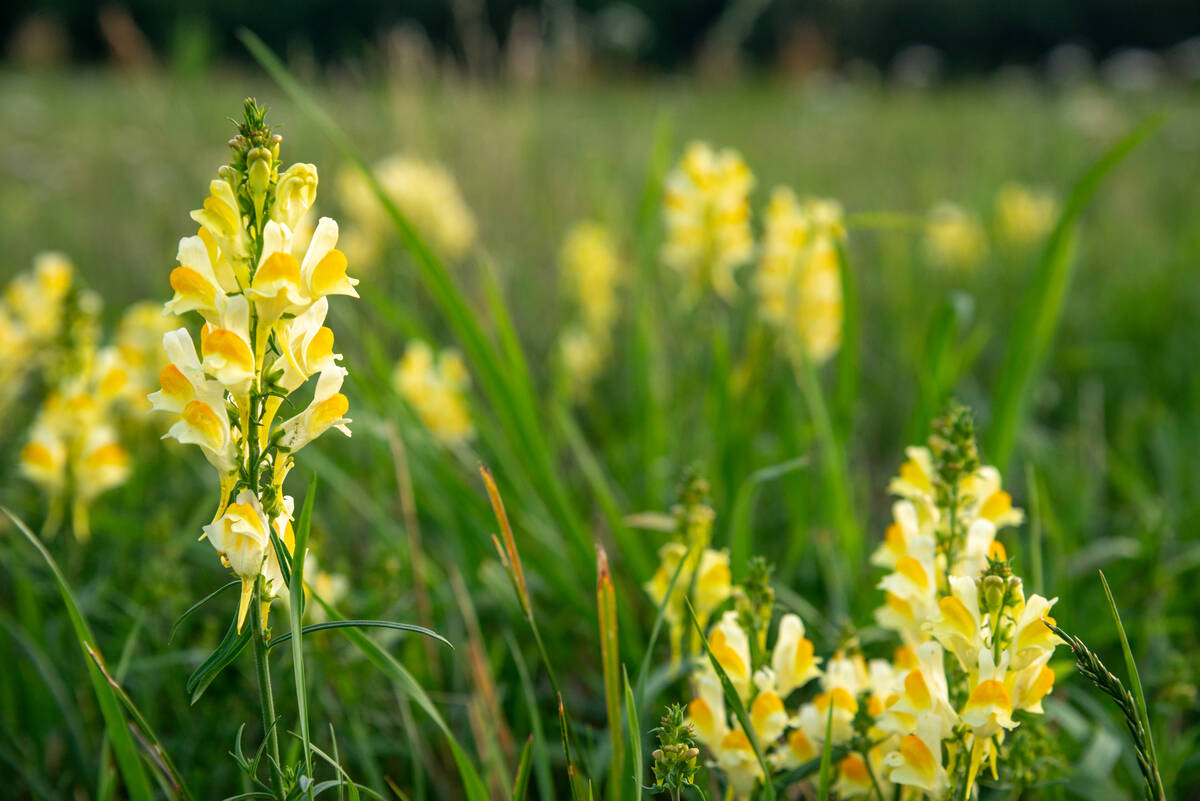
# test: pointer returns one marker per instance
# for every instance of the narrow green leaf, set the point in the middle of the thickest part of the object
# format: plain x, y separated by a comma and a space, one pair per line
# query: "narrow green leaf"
739, 708
541, 755
659, 616
521, 783
360, 624
740, 532
137, 784
228, 650
606, 606
823, 783
846, 385
635, 736
295, 613
196, 606
1131, 667
1037, 318
404, 681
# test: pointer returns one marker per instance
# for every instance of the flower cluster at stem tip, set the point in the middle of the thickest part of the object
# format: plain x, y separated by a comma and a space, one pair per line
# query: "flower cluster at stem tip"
709, 235
973, 650
264, 336
592, 270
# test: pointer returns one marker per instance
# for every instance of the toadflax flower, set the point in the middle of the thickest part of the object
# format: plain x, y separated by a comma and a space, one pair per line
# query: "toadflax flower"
706, 209
263, 297
436, 386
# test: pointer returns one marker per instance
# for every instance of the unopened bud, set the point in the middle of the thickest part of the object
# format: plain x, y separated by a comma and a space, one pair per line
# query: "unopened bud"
993, 592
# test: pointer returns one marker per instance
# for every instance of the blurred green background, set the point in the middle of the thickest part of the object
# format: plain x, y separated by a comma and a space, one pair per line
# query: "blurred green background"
111, 127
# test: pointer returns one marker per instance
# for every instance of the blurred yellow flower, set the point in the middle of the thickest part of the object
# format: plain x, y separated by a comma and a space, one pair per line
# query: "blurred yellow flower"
799, 278
591, 270
436, 386
706, 208
424, 192
954, 238
1024, 215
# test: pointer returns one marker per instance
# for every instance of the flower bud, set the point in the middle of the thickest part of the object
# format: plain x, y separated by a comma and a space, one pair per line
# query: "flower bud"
992, 588
258, 176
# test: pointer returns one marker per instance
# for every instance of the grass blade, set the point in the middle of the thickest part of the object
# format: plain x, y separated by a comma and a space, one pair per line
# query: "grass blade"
1037, 318
739, 709
407, 684
846, 386
635, 736
825, 775
606, 605
358, 624
740, 530
1134, 678
196, 606
137, 784
521, 783
295, 612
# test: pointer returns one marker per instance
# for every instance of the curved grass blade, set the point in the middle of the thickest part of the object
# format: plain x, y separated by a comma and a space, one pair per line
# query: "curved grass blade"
137, 784
521, 783
161, 757
404, 681
1134, 678
740, 545
739, 709
606, 606
196, 607
1037, 318
360, 624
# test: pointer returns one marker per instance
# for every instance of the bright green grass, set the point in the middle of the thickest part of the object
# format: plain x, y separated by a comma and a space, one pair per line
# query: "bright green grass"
106, 169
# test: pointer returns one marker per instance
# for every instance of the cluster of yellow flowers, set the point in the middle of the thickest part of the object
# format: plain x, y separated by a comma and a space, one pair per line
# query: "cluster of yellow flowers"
954, 237
436, 386
33, 317
799, 279
74, 452
263, 337
425, 192
702, 573
1024, 215
706, 203
974, 651
591, 269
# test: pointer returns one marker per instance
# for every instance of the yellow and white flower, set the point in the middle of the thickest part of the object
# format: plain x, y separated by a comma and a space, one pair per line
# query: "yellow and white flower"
240, 537
917, 760
793, 660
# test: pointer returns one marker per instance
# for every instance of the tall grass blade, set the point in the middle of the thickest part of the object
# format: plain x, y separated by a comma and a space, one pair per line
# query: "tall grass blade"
606, 606
521, 782
635, 736
295, 611
1134, 677
741, 543
137, 784
846, 385
739, 709
825, 777
1037, 318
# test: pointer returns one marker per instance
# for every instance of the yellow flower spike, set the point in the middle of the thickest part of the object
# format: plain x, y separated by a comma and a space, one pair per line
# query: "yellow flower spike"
706, 209
435, 387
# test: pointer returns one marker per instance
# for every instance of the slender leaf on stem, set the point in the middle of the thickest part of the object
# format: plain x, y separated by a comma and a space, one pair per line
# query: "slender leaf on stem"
295, 612
359, 624
137, 784
222, 657
735, 702
196, 606
404, 681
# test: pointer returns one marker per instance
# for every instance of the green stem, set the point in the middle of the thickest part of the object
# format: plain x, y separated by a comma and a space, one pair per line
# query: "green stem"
265, 697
